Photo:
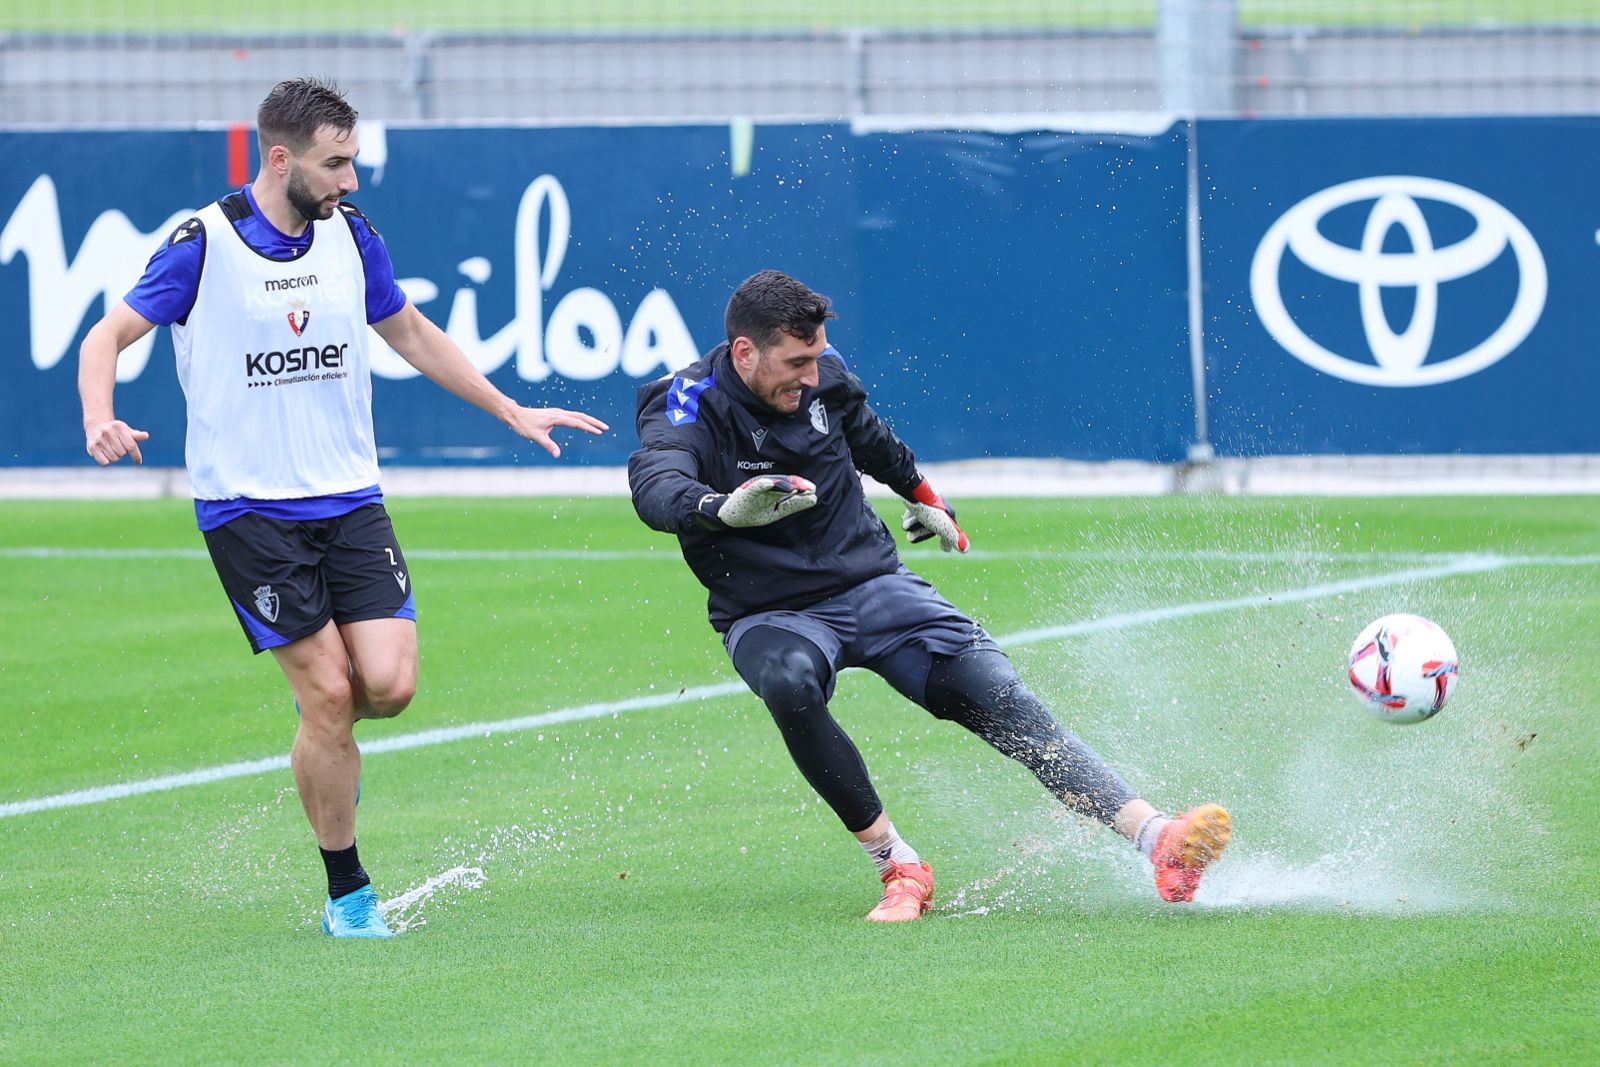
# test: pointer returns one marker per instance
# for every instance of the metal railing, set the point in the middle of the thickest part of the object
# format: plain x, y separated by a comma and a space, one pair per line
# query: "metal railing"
96, 80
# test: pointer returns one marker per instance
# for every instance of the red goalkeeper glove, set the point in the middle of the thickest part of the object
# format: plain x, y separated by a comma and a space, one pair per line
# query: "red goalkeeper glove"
927, 515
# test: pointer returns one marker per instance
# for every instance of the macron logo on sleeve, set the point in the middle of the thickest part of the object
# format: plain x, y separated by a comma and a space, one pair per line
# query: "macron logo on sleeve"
683, 399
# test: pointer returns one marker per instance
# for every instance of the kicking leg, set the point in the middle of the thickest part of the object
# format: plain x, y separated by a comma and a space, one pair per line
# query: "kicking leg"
981, 691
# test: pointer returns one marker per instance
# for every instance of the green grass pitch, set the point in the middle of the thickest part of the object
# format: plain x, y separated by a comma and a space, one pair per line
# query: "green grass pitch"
658, 885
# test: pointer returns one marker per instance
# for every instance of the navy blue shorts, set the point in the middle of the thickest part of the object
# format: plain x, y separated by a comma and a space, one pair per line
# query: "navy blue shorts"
287, 579
892, 625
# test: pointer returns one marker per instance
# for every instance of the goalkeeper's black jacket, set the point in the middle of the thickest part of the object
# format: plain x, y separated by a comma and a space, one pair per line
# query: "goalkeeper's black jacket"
702, 431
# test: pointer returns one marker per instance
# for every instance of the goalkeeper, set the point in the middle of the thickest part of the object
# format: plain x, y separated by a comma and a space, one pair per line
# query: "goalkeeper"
751, 457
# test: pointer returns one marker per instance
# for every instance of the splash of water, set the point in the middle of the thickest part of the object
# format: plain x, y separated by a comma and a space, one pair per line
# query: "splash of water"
404, 912
1336, 880
1058, 868
1332, 811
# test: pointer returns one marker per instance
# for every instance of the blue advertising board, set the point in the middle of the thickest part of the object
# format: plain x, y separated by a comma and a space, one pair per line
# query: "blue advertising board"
76, 236
1369, 286
1401, 285
1028, 291
569, 265
1002, 294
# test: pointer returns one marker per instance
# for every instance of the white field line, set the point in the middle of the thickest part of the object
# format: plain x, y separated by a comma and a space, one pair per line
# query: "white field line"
424, 738
1473, 565
397, 743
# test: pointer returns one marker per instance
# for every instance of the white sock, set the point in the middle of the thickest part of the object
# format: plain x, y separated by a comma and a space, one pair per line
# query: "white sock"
887, 847
1149, 832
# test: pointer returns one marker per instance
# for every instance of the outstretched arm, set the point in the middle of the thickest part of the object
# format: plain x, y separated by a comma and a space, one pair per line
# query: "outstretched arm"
106, 437
668, 496
427, 348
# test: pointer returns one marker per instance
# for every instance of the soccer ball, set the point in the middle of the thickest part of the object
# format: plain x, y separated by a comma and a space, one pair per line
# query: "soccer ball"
1403, 668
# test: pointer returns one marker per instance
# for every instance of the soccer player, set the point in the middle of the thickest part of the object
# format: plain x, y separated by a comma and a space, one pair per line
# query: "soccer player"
269, 293
751, 457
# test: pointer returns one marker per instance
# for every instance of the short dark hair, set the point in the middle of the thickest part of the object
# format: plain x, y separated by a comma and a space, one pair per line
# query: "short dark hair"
769, 304
296, 109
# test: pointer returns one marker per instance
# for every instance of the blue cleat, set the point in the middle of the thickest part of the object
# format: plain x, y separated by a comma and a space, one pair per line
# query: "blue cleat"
355, 915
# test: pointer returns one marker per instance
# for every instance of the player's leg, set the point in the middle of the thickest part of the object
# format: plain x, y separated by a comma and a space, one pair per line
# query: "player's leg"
794, 678
383, 665
371, 591
364, 665
982, 691
271, 570
327, 773
939, 658
325, 759
273, 573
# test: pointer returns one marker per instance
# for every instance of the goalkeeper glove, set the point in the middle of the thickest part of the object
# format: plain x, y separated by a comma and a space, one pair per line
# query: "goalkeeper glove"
927, 515
757, 502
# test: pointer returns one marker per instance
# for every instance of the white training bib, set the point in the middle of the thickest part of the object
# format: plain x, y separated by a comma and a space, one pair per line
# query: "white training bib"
273, 364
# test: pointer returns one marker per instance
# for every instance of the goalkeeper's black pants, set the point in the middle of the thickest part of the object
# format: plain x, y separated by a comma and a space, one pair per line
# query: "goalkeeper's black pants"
978, 689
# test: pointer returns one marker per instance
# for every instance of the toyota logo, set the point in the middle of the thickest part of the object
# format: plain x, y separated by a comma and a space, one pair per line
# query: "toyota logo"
1400, 357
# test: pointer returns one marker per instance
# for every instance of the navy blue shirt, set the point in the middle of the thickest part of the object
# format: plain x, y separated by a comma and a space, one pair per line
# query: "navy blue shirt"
703, 431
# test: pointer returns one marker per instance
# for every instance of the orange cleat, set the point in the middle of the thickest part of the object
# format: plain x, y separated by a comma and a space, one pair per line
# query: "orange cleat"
907, 892
1186, 845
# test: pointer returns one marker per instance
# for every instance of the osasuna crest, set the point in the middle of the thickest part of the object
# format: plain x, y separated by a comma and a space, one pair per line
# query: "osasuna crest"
267, 600
298, 319
759, 436
819, 416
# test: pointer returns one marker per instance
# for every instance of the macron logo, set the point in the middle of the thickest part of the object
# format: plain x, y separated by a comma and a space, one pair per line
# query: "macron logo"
278, 285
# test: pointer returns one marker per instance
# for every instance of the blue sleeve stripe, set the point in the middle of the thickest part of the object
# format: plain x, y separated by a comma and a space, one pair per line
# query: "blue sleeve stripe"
683, 398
